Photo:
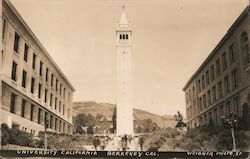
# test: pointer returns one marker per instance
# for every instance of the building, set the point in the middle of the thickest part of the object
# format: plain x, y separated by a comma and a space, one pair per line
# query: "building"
34, 89
124, 123
221, 85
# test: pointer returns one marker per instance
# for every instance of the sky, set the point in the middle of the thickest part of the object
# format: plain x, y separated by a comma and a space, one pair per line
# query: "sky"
170, 40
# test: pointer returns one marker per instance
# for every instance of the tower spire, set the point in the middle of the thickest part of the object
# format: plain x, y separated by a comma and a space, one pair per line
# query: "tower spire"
123, 19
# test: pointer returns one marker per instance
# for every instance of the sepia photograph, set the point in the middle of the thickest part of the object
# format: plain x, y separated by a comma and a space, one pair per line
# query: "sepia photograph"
125, 78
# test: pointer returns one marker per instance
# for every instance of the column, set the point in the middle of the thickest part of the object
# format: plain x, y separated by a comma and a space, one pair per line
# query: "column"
35, 113
18, 105
42, 117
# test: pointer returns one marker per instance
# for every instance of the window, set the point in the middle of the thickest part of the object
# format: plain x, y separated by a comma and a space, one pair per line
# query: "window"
224, 61
55, 103
237, 106
64, 92
212, 72
207, 77
204, 101
199, 85
187, 97
26, 50
51, 121
32, 85
56, 84
14, 69
203, 81
23, 108
60, 126
194, 99
226, 85
47, 74
24, 79
209, 97
221, 110
245, 48
16, 42
126, 36
45, 95
214, 93
190, 96
55, 123
34, 61
41, 69
13, 103
39, 90
32, 112
218, 67
60, 89
234, 79
219, 90
63, 110
51, 98
69, 97
46, 118
120, 36
232, 54
205, 119
52, 80
4, 23
39, 115
60, 106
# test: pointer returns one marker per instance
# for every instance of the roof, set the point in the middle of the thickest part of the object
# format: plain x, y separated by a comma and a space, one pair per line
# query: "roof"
230, 31
37, 41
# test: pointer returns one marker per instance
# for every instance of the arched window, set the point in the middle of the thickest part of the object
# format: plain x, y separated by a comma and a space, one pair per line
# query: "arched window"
120, 36
245, 48
126, 36
123, 36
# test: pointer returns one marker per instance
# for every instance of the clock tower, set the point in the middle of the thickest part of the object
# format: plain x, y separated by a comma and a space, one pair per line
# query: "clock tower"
124, 114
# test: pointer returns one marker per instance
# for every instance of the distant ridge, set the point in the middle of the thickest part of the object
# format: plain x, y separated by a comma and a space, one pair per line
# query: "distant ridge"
107, 109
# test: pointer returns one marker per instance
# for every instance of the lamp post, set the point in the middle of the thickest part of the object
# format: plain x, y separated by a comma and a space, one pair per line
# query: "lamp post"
46, 125
231, 120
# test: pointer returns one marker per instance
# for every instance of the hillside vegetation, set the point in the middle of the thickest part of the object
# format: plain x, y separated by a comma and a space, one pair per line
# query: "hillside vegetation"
107, 110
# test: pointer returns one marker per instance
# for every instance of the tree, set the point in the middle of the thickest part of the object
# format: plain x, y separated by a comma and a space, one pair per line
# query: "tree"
83, 120
114, 120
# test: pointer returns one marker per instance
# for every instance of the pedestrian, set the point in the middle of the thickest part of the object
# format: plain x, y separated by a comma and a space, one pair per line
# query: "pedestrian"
129, 138
141, 142
124, 143
102, 143
96, 142
136, 142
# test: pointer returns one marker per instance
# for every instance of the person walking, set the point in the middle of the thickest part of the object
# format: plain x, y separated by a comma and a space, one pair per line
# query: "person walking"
124, 143
102, 143
141, 142
96, 142
136, 142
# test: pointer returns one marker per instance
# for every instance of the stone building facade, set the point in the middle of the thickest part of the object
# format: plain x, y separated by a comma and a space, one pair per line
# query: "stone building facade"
221, 85
34, 89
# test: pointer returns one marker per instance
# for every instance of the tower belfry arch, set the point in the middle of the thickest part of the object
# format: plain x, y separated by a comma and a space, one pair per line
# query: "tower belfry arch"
124, 76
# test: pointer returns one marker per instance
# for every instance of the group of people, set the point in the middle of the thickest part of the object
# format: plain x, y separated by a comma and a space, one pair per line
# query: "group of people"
122, 143
100, 142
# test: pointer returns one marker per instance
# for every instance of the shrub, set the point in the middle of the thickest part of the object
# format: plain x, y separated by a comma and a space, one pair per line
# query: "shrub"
15, 136
5, 134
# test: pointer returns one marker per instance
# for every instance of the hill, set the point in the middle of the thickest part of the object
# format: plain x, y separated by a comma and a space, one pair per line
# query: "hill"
106, 109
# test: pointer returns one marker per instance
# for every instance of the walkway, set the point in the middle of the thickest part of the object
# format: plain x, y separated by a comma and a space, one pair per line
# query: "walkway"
113, 145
